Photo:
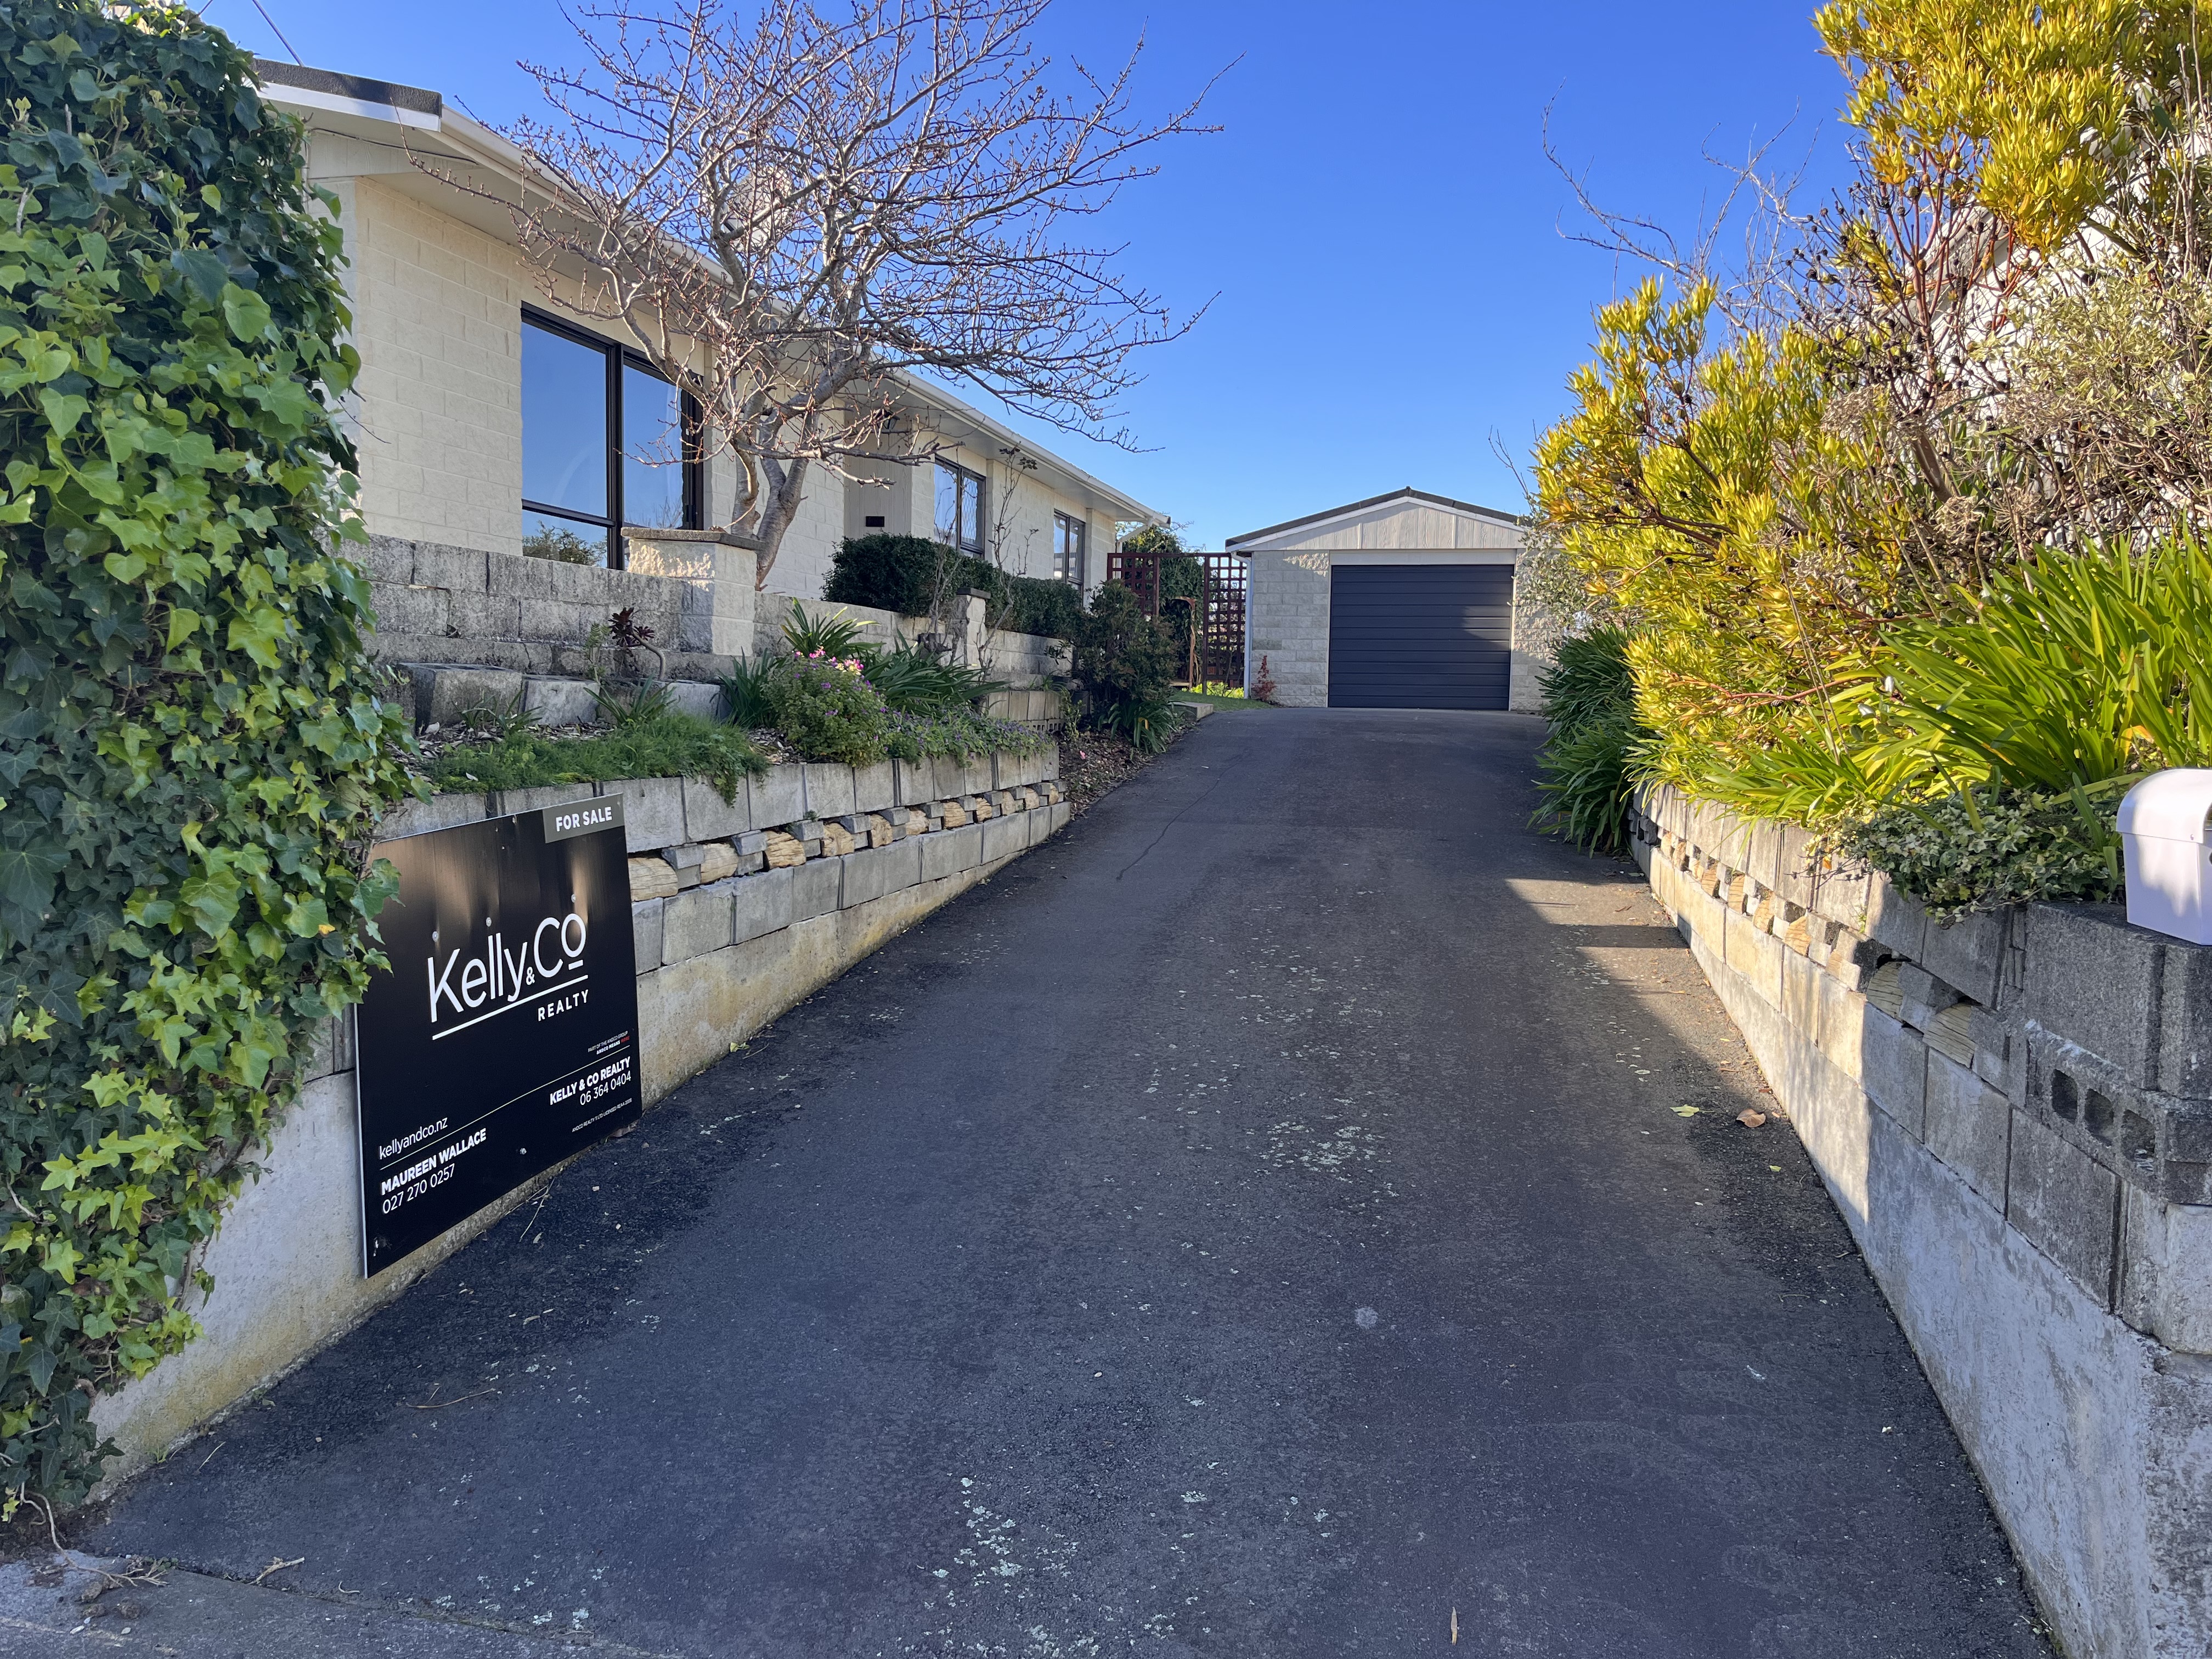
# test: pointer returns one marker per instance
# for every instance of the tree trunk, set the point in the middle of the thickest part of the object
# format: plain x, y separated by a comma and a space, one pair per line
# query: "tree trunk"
786, 483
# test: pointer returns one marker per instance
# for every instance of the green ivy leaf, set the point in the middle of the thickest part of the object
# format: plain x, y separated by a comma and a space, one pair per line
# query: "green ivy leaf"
26, 886
62, 411
246, 312
178, 794
203, 270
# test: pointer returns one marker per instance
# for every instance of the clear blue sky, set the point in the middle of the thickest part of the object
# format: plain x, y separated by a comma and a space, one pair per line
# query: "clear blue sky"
1377, 217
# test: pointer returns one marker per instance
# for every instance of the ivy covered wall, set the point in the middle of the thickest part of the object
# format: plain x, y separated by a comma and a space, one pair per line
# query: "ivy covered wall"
191, 748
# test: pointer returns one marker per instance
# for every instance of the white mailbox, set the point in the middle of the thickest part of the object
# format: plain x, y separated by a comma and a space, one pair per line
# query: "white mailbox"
2169, 861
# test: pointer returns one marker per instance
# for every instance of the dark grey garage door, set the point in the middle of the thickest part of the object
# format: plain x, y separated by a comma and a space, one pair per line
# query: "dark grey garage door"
1419, 636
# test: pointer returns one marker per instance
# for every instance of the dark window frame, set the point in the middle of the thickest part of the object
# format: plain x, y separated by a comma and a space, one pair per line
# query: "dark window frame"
966, 475
1062, 525
615, 526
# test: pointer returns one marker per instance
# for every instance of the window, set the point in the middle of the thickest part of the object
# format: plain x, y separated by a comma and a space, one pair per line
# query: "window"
1068, 537
959, 508
604, 446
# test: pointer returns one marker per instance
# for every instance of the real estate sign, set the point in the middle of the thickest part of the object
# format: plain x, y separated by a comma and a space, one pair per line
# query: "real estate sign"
504, 1037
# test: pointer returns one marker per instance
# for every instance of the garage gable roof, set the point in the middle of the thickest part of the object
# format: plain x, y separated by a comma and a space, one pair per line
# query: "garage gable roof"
1303, 530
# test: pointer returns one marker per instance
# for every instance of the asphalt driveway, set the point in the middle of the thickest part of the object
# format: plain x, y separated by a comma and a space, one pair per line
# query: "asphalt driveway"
1261, 1222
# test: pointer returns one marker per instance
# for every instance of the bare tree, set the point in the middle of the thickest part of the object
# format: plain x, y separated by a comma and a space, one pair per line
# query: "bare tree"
1751, 290
788, 212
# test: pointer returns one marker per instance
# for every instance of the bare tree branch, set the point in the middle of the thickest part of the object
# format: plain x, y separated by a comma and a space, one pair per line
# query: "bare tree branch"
788, 212
1754, 290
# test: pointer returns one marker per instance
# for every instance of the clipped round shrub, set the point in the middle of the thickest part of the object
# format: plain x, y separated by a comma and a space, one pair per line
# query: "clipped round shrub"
191, 751
826, 709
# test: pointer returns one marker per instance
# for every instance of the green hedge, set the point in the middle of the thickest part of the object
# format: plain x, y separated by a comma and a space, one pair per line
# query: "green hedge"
193, 752
904, 575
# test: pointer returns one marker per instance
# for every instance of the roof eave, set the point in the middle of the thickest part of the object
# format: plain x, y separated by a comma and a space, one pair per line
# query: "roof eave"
945, 402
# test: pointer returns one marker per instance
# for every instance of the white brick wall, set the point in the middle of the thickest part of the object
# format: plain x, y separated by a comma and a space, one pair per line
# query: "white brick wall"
438, 406
1289, 626
436, 412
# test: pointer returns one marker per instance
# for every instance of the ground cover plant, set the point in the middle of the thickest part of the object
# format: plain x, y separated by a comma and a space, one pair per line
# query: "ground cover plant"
961, 734
1898, 518
194, 751
660, 744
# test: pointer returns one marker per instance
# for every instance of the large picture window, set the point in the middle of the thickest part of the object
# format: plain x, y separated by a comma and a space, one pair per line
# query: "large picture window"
959, 508
606, 444
1068, 538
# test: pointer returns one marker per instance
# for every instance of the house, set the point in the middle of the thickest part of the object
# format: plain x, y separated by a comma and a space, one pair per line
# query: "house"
1400, 601
519, 474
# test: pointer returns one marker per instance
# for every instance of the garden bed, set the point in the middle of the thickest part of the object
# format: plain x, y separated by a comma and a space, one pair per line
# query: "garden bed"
1092, 764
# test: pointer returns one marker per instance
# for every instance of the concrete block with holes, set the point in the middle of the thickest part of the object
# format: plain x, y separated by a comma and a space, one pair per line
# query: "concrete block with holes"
2062, 1202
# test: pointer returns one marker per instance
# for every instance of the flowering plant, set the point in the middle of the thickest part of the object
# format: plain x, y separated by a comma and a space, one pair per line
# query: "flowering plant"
852, 665
827, 710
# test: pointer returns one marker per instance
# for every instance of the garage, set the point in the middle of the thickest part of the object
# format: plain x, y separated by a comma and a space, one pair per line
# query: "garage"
1399, 601
1421, 635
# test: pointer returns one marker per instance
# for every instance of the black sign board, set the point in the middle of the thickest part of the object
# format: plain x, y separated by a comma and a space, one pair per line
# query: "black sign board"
504, 1037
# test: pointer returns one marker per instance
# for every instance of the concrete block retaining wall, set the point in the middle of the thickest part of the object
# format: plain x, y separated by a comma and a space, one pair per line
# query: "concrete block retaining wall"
473, 629
2014, 1115
462, 605
716, 962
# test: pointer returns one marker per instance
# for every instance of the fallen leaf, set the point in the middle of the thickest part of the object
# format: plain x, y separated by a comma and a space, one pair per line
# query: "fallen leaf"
1750, 1119
1686, 1111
